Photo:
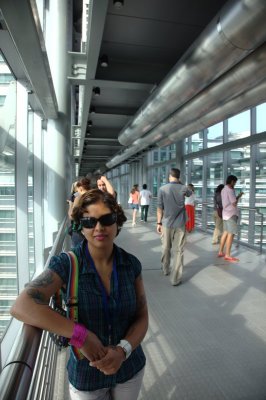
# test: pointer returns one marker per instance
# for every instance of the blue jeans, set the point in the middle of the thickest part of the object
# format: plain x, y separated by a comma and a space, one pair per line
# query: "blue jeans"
144, 213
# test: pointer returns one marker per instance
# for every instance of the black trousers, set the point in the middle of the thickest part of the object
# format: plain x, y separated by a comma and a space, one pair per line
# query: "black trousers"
144, 213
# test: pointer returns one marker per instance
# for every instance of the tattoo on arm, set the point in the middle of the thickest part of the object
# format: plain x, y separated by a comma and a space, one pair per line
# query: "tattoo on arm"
44, 280
37, 296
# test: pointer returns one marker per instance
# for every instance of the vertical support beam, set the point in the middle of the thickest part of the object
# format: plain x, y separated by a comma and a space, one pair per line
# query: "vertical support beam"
22, 186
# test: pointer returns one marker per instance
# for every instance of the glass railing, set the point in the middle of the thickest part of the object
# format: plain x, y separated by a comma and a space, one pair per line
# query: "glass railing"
251, 230
30, 367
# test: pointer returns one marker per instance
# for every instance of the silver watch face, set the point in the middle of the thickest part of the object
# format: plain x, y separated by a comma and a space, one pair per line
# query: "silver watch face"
126, 346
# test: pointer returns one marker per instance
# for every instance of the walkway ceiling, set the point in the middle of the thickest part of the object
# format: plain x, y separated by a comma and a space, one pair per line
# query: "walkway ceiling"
173, 69
143, 40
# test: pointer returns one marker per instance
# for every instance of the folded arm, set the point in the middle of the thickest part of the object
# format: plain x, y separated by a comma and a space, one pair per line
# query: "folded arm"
115, 356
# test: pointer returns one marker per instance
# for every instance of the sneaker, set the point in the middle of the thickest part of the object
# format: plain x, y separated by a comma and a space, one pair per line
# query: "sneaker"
177, 284
231, 259
221, 255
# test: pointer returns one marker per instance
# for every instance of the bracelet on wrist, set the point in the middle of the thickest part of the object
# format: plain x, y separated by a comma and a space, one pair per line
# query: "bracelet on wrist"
79, 335
159, 223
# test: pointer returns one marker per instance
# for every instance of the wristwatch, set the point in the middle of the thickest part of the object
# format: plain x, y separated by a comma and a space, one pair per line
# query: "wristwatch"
126, 346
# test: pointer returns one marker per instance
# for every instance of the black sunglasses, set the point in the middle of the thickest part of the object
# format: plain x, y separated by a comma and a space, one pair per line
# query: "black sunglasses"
105, 220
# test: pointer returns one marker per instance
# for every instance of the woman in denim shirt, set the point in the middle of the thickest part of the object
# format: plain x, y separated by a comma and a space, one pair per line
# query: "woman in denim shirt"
112, 308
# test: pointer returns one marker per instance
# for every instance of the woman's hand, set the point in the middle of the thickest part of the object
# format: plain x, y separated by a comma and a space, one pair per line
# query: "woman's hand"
112, 361
93, 349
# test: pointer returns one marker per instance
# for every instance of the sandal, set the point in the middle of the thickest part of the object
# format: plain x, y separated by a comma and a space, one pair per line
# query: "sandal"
221, 255
231, 259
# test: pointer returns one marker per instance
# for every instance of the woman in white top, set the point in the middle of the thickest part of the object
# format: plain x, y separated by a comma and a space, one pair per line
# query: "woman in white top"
145, 198
190, 209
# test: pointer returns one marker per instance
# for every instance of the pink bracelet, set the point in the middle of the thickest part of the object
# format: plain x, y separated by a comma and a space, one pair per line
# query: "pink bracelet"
79, 335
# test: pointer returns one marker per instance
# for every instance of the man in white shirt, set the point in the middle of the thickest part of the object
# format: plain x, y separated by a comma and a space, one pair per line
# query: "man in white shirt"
145, 198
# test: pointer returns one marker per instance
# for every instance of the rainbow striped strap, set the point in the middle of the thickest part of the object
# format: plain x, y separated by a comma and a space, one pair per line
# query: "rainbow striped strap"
72, 295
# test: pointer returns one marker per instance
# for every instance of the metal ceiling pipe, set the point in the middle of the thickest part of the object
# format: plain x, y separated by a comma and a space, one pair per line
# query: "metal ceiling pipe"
251, 71
210, 106
251, 97
130, 151
237, 30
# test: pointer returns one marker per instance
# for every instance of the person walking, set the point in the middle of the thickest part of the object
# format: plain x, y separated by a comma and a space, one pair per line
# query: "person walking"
230, 218
190, 209
145, 199
171, 224
134, 204
218, 215
112, 307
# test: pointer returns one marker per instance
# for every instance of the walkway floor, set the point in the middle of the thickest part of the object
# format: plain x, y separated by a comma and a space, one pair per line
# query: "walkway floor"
206, 337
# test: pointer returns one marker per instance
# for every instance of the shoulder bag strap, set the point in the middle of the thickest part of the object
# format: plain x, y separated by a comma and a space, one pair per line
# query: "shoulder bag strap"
72, 295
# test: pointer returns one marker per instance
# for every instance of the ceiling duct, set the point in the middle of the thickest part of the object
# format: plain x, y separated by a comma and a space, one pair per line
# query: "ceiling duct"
252, 97
236, 31
211, 105
251, 71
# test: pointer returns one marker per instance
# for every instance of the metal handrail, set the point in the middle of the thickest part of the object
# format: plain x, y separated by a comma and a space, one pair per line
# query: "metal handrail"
26, 368
240, 207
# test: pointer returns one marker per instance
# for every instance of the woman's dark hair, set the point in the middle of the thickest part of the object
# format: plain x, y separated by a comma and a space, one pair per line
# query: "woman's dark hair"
85, 183
219, 188
94, 196
231, 178
133, 190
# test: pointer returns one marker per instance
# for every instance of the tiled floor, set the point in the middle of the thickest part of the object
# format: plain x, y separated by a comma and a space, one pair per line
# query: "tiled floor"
207, 337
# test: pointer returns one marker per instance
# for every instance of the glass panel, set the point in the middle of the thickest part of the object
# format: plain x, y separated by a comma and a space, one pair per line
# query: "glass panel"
31, 240
214, 174
260, 191
8, 256
156, 156
162, 177
186, 145
239, 165
197, 179
239, 126
163, 154
197, 176
172, 151
261, 120
215, 135
197, 142
155, 183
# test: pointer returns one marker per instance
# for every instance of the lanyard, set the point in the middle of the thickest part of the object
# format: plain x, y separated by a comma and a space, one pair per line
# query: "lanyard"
103, 291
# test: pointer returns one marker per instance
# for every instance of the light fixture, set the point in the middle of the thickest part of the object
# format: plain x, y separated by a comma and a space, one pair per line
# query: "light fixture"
97, 91
104, 61
118, 4
89, 124
92, 110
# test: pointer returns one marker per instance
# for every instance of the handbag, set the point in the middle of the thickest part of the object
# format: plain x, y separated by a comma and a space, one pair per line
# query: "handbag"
65, 303
130, 200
